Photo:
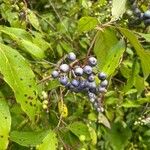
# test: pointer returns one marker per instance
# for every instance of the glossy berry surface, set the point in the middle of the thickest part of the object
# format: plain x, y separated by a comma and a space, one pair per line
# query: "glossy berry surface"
78, 71
55, 74
102, 76
71, 56
101, 89
75, 82
92, 61
63, 80
87, 69
91, 78
64, 68
104, 83
147, 15
76, 78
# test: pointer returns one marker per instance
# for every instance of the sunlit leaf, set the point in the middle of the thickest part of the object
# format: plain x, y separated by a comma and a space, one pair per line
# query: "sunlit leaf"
50, 142
143, 55
5, 123
79, 128
20, 78
118, 8
28, 138
87, 24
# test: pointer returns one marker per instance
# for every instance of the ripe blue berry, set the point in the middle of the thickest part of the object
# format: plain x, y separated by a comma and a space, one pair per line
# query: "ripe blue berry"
92, 85
92, 61
87, 69
82, 85
102, 89
78, 71
71, 56
147, 15
91, 95
102, 76
91, 78
75, 82
63, 80
55, 74
104, 83
64, 68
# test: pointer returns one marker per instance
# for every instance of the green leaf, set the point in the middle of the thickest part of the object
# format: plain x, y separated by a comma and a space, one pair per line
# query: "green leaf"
145, 36
31, 48
130, 104
143, 55
118, 8
5, 123
28, 138
147, 133
105, 40
103, 120
26, 45
112, 60
33, 20
93, 135
87, 24
20, 78
118, 136
79, 128
50, 142
18, 32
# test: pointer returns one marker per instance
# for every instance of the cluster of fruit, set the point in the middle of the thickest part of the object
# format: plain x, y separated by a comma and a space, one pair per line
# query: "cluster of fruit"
81, 78
145, 17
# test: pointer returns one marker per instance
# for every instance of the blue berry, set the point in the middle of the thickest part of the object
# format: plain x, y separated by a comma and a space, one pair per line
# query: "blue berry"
92, 85
102, 76
78, 71
104, 83
63, 80
92, 61
87, 69
91, 78
91, 95
55, 74
71, 56
147, 15
102, 89
64, 68
82, 85
75, 82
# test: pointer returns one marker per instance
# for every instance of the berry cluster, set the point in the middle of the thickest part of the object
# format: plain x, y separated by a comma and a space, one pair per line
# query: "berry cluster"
140, 15
81, 78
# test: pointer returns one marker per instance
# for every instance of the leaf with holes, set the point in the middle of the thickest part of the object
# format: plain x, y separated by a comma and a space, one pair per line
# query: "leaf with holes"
113, 58
5, 124
50, 142
20, 78
79, 128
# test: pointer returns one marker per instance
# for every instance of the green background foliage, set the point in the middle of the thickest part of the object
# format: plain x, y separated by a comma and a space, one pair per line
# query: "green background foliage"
35, 36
